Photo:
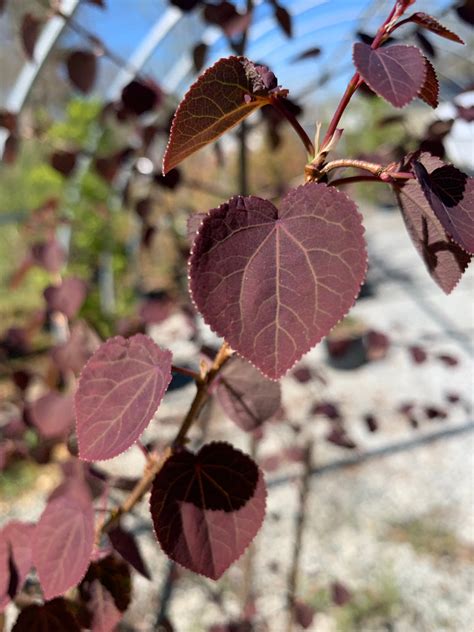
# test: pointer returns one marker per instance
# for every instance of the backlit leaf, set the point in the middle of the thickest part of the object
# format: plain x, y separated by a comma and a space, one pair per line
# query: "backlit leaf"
105, 614
119, 390
125, 544
429, 91
207, 507
450, 193
444, 259
53, 616
67, 297
15, 556
396, 73
53, 414
223, 96
274, 282
431, 24
139, 97
30, 30
62, 544
247, 397
82, 69
114, 575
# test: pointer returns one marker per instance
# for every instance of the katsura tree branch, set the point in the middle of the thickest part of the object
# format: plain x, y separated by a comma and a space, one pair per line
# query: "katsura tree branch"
156, 462
291, 118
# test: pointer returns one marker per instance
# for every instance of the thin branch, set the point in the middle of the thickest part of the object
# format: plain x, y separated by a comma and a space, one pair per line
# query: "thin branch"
291, 118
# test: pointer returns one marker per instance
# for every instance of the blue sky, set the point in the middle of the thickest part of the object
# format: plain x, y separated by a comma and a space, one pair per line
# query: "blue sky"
329, 24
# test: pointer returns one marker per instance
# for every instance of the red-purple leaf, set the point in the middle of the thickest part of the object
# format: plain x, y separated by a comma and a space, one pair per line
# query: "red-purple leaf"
82, 69
30, 30
371, 422
444, 259
247, 397
431, 24
340, 594
67, 297
466, 12
108, 166
64, 161
8, 120
207, 507
225, 15
105, 614
302, 374
450, 193
465, 113
185, 5
53, 616
139, 97
73, 354
303, 614
53, 414
15, 556
418, 354
448, 360
10, 149
62, 544
274, 282
124, 543
223, 96
168, 181
119, 390
339, 437
199, 56
284, 19
429, 91
309, 53
396, 73
114, 575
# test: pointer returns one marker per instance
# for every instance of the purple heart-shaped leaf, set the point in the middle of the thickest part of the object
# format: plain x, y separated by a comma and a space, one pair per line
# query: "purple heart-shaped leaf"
119, 390
207, 507
396, 73
273, 281
15, 558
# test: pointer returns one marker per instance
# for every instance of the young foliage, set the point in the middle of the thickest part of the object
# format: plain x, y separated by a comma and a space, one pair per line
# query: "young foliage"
273, 281
396, 73
223, 96
207, 507
430, 23
119, 391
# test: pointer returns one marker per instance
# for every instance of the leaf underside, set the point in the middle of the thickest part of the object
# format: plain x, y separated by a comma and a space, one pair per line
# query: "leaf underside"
223, 96
444, 260
274, 282
208, 507
119, 390
396, 73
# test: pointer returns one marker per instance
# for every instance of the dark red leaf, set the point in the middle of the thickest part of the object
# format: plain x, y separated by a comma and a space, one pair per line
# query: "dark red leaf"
10, 149
168, 181
3, 4
284, 19
30, 30
233, 626
453, 398
466, 12
339, 437
465, 113
340, 594
450, 193
431, 24
444, 259
225, 15
53, 414
119, 390
308, 54
328, 409
207, 507
377, 344
49, 255
8, 120
99, 3
125, 544
302, 374
185, 5
448, 360
82, 69
432, 412
429, 92
73, 354
53, 616
67, 297
418, 354
139, 97
396, 73
223, 96
114, 574
371, 422
64, 161
425, 44
62, 544
15, 558
144, 207
199, 56
277, 281
303, 614
247, 397
156, 310
105, 614
107, 166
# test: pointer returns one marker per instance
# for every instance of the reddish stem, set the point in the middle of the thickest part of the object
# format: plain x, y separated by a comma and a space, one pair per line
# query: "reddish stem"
187, 372
340, 181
